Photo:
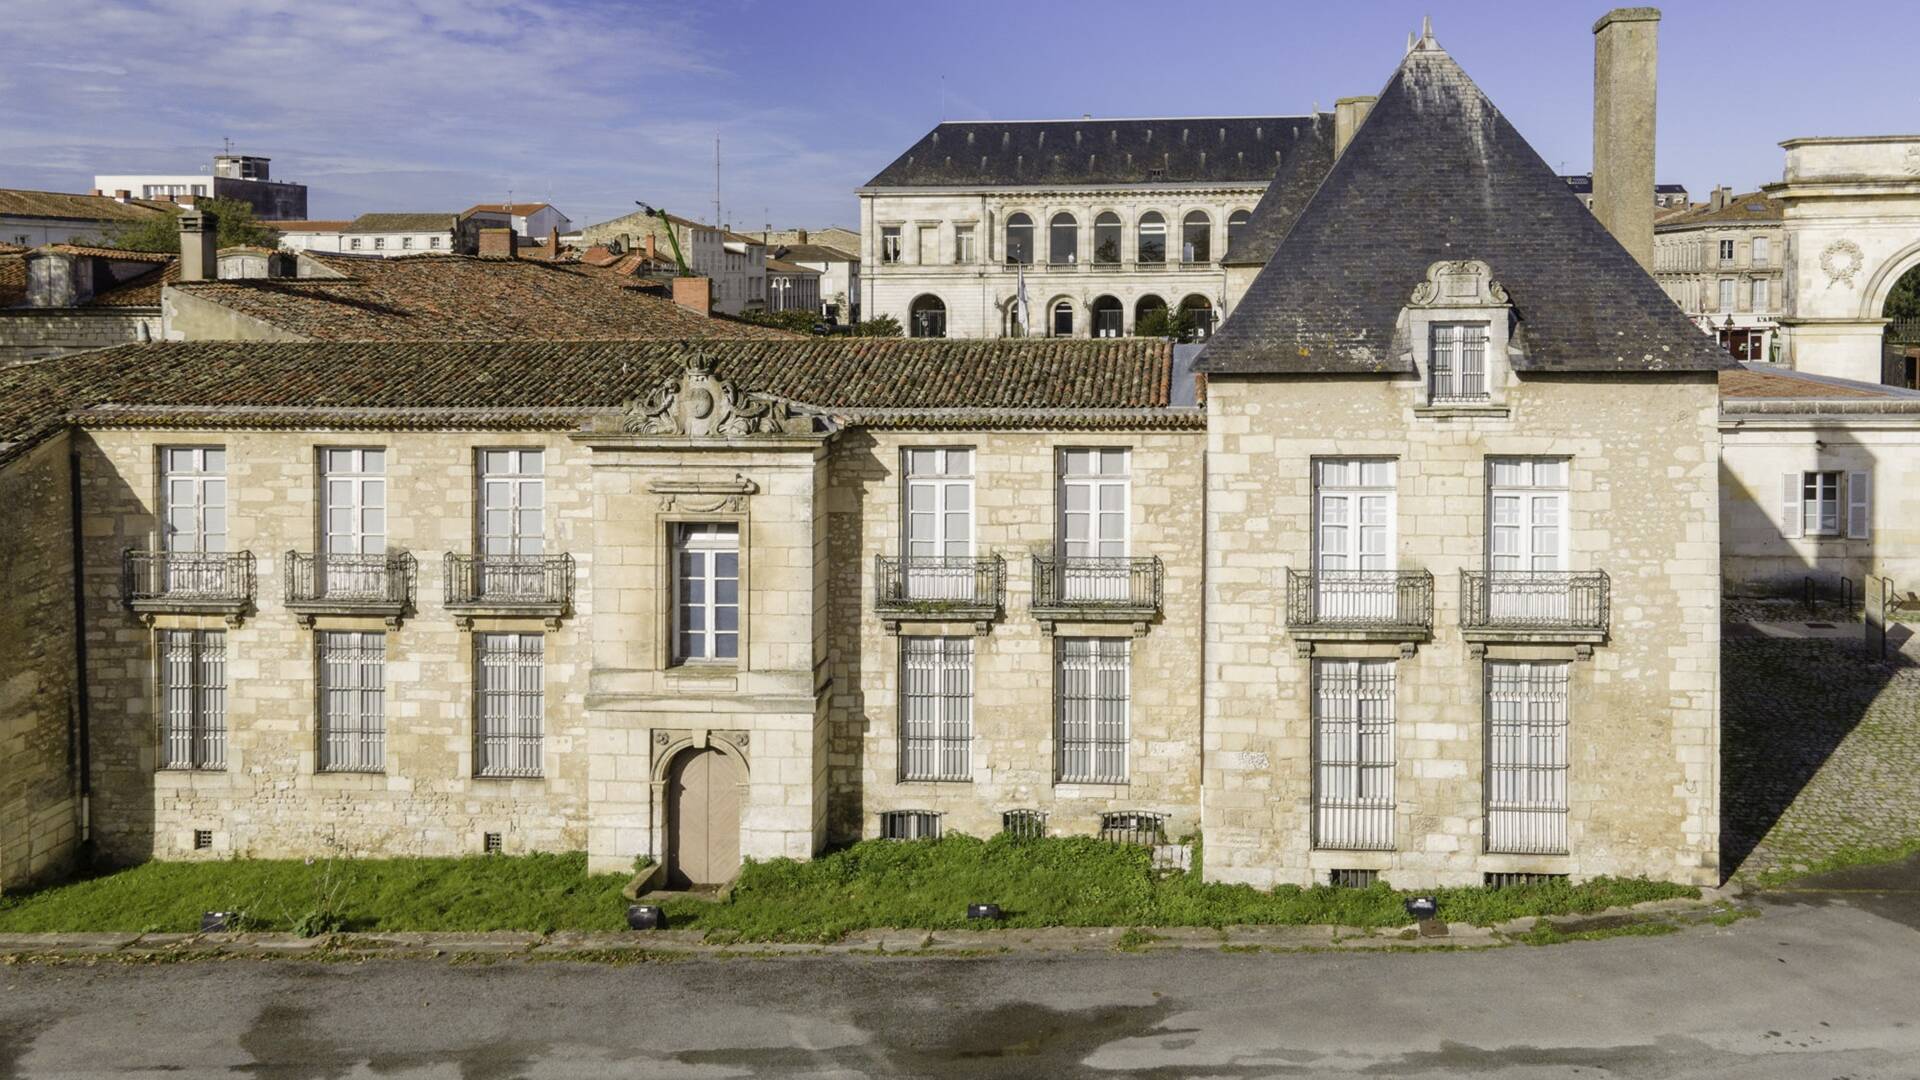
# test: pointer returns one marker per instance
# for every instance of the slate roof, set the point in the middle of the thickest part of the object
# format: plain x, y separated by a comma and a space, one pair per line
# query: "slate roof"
1294, 182
1756, 208
16, 202
1437, 172
376, 223
976, 153
463, 298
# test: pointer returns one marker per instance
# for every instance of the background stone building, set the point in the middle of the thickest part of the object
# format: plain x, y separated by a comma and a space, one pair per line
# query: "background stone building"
1723, 263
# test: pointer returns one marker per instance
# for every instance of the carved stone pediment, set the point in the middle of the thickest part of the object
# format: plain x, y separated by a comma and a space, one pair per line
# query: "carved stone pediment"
697, 404
1457, 283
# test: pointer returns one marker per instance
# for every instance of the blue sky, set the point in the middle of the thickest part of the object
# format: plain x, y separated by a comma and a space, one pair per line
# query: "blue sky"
407, 105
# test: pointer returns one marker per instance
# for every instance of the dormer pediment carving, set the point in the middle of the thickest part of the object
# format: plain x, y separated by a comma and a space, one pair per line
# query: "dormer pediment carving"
1459, 283
697, 404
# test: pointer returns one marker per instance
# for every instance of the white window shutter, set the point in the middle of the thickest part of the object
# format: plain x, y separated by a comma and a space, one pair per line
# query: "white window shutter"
1790, 504
1859, 485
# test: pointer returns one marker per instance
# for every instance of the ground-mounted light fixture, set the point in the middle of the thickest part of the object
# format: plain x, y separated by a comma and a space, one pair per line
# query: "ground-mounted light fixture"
218, 922
646, 917
990, 912
1422, 908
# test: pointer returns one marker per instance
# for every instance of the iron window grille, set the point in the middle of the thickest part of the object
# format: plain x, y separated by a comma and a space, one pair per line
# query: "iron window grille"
1024, 824
1535, 600
490, 843
1457, 364
353, 693
510, 715
1140, 827
1360, 599
910, 825
1353, 749
1494, 880
936, 708
1353, 879
1526, 788
193, 692
202, 839
1091, 705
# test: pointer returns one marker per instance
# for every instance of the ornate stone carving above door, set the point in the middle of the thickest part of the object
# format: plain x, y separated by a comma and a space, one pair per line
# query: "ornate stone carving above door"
698, 404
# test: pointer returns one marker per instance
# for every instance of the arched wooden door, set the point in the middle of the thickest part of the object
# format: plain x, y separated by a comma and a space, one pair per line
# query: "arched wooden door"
703, 819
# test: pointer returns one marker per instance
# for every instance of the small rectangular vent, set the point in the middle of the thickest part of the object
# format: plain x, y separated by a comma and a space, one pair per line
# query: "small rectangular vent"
1024, 824
1353, 879
202, 839
910, 825
1134, 827
490, 843
1502, 881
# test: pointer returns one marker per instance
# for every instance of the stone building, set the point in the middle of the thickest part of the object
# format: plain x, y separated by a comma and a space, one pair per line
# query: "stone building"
735, 263
839, 271
1104, 221
33, 218
63, 298
392, 236
792, 286
242, 177
1723, 263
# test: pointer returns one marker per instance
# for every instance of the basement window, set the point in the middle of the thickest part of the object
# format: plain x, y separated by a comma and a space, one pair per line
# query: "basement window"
490, 843
1024, 824
1133, 827
202, 839
1504, 881
1353, 879
910, 825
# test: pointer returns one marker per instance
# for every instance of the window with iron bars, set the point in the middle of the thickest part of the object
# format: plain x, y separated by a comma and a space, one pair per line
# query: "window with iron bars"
1353, 737
1353, 879
1090, 691
353, 693
1495, 880
1526, 786
1024, 824
193, 694
910, 825
1133, 827
936, 708
511, 709
1457, 363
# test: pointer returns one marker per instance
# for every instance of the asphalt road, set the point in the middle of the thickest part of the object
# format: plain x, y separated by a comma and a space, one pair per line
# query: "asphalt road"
1825, 984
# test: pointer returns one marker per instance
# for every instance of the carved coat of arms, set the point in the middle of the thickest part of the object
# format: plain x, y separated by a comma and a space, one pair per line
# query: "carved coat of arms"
697, 403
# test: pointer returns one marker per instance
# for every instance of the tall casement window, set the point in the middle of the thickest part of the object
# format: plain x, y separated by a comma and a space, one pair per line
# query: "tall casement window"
1019, 240
1196, 237
1457, 363
889, 244
1095, 491
1152, 238
1726, 294
1063, 240
928, 243
706, 592
1760, 252
1726, 251
1760, 294
1090, 693
1353, 754
193, 699
1106, 239
512, 526
963, 253
1526, 786
193, 491
1527, 537
354, 518
939, 523
1811, 502
353, 701
1236, 227
936, 708
1354, 507
510, 705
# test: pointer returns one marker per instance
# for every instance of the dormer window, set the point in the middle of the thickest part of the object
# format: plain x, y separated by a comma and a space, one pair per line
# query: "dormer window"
1457, 363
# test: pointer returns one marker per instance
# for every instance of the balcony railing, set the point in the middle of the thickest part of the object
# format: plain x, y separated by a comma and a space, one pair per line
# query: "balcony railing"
323, 584
1535, 604
215, 583
1096, 589
937, 589
529, 585
1386, 605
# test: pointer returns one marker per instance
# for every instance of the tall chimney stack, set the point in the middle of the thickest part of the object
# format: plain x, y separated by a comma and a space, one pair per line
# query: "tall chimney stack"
1348, 114
1625, 55
199, 246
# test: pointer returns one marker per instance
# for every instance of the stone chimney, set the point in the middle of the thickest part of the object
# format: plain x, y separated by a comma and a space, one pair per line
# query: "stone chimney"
199, 246
499, 243
1718, 200
553, 244
651, 254
695, 294
1348, 114
1625, 54
800, 236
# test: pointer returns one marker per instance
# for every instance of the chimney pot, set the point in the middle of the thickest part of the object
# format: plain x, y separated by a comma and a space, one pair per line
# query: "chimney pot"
1625, 61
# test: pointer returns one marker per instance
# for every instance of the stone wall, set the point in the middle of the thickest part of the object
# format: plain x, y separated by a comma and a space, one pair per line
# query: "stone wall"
1643, 714
30, 333
39, 773
1013, 740
187, 317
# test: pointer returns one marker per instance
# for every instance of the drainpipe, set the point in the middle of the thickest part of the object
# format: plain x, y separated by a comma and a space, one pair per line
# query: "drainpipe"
83, 719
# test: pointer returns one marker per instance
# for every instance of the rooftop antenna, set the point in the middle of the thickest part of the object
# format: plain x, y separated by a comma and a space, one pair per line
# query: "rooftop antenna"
943, 99
226, 146
717, 220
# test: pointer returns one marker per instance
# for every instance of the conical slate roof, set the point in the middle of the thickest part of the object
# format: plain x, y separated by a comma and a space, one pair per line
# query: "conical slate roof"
1437, 172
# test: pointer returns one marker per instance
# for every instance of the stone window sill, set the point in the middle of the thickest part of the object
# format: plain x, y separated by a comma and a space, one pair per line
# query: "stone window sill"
1448, 412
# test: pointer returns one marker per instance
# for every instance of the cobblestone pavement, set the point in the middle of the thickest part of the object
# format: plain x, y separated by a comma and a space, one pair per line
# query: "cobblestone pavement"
1820, 751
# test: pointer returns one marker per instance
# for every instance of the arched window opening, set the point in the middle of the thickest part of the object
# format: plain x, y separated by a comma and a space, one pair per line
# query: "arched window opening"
1236, 228
1019, 240
1153, 238
1062, 324
927, 317
1150, 318
1902, 350
1106, 239
1063, 240
1196, 238
1196, 313
1108, 316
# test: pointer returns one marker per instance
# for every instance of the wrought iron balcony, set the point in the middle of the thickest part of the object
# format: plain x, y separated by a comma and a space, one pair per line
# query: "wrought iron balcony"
939, 589
1535, 605
507, 585
319, 583
1096, 590
190, 583
1359, 605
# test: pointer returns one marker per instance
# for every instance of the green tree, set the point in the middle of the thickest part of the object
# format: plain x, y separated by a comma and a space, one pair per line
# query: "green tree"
236, 226
1904, 301
884, 326
1164, 322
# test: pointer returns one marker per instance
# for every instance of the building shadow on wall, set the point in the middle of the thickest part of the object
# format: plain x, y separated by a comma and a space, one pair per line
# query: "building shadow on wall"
862, 475
1788, 704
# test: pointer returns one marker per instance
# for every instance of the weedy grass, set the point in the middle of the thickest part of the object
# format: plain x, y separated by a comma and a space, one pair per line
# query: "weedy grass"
1840, 859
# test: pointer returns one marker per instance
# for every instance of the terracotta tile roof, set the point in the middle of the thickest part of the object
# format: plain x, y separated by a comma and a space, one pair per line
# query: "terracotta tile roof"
15, 202
519, 209
311, 226
462, 298
13, 249
13, 279
813, 253
117, 254
1751, 381
378, 223
1755, 208
142, 291
781, 266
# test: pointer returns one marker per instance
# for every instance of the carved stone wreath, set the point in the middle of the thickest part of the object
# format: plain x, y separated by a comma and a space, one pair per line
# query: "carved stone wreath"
1913, 161
696, 403
1841, 260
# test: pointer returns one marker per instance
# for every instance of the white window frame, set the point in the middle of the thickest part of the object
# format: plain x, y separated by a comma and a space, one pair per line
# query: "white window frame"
193, 699
963, 246
1093, 706
890, 245
937, 510
936, 709
509, 704
352, 680
701, 553
1726, 294
1457, 362
1528, 500
1762, 251
1758, 299
1095, 499
1354, 754
1814, 505
1726, 253
353, 482
1527, 760
1355, 520
193, 494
